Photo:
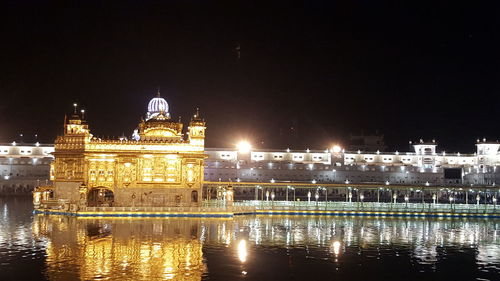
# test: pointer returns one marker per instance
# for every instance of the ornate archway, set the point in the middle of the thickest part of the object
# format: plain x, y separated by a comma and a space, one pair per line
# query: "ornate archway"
194, 196
100, 197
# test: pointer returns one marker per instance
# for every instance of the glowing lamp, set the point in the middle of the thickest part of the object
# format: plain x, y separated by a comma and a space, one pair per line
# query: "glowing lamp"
244, 146
336, 149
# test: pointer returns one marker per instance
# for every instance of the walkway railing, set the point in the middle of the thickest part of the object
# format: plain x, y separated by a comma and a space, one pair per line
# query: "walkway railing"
365, 206
210, 209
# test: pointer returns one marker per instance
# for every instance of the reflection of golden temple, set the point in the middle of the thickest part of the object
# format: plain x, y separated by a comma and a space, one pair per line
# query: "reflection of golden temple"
118, 249
159, 167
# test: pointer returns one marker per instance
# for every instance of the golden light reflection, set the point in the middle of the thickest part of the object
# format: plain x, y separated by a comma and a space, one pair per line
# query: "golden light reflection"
122, 249
242, 250
171, 249
336, 247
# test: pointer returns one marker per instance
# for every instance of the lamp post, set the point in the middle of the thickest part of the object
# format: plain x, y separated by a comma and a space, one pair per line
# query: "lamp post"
272, 198
309, 197
394, 197
361, 197
406, 200
292, 188
350, 196
494, 203
434, 198
326, 197
451, 201
317, 197
478, 198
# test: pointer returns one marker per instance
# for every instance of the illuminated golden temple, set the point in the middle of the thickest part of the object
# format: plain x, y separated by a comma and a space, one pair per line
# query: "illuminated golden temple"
159, 167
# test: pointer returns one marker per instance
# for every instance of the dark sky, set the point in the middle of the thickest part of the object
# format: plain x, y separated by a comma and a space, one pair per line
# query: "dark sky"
328, 69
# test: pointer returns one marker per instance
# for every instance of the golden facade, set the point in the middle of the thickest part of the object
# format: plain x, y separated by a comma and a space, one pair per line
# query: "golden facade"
160, 167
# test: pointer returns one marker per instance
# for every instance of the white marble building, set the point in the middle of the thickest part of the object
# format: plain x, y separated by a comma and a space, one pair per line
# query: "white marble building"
23, 166
425, 165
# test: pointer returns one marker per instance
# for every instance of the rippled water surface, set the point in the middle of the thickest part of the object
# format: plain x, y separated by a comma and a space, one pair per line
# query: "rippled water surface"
38, 247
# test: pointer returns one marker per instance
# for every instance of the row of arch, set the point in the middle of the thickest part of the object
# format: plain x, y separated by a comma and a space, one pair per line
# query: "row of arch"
16, 189
104, 197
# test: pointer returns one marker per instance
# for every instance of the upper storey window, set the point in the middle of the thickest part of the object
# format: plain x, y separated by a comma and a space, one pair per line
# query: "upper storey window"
368, 158
227, 156
298, 157
257, 156
317, 157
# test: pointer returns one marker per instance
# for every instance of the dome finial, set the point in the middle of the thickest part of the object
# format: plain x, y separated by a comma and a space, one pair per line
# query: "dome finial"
196, 115
158, 92
157, 106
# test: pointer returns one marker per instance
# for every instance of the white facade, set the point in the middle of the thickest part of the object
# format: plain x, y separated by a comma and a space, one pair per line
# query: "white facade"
25, 165
424, 166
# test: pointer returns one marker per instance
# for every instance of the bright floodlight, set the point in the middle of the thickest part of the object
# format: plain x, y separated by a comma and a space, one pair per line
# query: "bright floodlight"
336, 148
244, 147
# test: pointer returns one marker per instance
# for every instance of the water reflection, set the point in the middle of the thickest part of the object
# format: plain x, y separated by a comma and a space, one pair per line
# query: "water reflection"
121, 249
242, 251
194, 249
335, 248
424, 236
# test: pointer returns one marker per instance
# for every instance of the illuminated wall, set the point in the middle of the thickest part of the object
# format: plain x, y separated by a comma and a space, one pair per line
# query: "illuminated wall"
162, 168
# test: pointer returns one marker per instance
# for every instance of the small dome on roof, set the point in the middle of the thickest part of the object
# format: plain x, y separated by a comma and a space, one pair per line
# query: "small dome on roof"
156, 106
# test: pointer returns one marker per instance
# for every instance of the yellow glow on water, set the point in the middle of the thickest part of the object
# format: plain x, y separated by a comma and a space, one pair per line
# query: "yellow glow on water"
336, 247
242, 251
154, 249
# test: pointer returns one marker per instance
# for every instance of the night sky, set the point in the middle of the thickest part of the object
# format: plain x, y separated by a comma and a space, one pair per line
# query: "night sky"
407, 70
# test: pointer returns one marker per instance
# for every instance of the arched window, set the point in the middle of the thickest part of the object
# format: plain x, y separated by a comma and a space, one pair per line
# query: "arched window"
194, 196
100, 197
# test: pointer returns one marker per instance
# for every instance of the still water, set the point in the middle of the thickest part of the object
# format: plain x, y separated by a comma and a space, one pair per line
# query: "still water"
41, 247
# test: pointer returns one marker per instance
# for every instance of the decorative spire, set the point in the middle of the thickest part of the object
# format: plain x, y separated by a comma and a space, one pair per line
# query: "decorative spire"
196, 116
158, 92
